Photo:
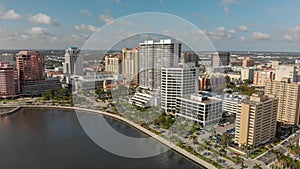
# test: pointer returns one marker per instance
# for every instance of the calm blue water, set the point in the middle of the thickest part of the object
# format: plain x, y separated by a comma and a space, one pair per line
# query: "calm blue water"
54, 139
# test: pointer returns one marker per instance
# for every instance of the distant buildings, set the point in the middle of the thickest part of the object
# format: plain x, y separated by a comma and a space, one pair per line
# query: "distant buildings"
113, 63
288, 94
261, 77
8, 81
256, 121
71, 56
248, 62
288, 71
212, 81
130, 64
221, 59
152, 57
177, 82
204, 110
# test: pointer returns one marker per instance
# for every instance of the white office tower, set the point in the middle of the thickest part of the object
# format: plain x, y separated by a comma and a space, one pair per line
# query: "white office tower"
152, 57
177, 82
71, 56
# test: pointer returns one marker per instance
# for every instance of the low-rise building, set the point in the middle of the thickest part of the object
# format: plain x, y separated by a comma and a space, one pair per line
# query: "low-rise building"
207, 111
145, 100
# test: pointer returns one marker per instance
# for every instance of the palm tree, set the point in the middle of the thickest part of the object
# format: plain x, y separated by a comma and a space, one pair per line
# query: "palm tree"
290, 147
223, 152
257, 166
194, 138
208, 144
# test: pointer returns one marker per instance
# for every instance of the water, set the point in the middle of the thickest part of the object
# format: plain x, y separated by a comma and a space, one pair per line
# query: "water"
54, 139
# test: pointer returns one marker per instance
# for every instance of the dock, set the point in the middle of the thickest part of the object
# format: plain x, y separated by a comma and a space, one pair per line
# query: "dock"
6, 113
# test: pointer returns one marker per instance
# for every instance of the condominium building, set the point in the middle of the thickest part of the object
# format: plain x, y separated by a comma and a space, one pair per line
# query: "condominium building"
231, 103
71, 56
261, 77
113, 63
221, 59
247, 74
8, 81
177, 82
152, 57
256, 121
288, 94
288, 71
248, 62
212, 81
31, 70
130, 64
30, 66
205, 110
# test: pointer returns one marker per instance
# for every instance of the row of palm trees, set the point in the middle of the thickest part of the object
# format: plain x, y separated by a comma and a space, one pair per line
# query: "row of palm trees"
284, 161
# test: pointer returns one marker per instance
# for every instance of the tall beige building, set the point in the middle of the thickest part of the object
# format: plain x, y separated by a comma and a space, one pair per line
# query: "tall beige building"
256, 121
288, 94
248, 62
8, 80
130, 64
261, 77
113, 63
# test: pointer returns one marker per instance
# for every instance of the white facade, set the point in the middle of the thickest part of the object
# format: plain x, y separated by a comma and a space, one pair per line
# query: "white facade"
288, 71
152, 57
177, 82
71, 55
144, 100
247, 74
204, 110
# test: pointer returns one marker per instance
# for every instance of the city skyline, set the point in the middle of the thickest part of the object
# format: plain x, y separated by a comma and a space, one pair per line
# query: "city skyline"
229, 24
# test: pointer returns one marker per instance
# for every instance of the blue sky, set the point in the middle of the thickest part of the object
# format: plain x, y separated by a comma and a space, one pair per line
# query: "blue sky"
266, 25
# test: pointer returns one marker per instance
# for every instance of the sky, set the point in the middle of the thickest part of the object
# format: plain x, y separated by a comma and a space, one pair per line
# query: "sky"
231, 25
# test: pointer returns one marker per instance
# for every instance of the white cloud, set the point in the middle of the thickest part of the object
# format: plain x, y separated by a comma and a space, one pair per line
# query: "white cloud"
38, 32
10, 14
242, 28
295, 30
221, 33
86, 12
260, 36
106, 18
86, 28
289, 38
116, 1
242, 38
226, 3
42, 19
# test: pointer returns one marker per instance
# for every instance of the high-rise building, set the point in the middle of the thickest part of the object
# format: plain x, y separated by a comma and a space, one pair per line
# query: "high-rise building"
212, 81
247, 74
31, 70
288, 71
8, 81
152, 57
221, 59
30, 66
261, 77
177, 82
256, 121
204, 110
71, 56
130, 64
288, 94
248, 62
113, 63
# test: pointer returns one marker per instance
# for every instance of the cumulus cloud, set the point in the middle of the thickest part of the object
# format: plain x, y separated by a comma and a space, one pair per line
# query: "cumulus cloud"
38, 32
242, 38
260, 36
106, 18
226, 3
10, 14
292, 34
86, 12
242, 28
42, 19
86, 28
221, 33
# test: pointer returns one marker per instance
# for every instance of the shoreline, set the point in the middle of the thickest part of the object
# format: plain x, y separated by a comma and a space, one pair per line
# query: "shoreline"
158, 138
